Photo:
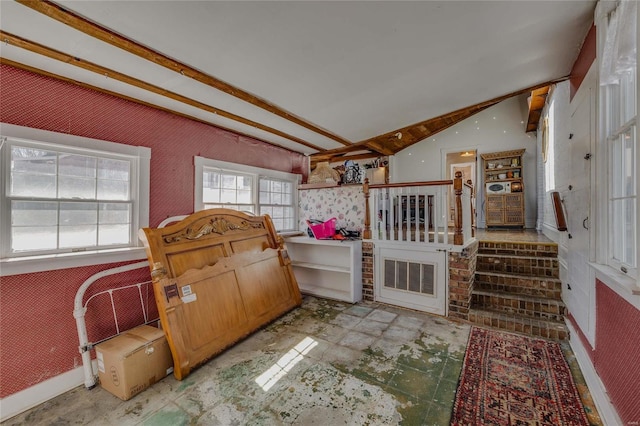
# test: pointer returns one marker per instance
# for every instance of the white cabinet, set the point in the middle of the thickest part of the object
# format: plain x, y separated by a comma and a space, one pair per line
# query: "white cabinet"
327, 268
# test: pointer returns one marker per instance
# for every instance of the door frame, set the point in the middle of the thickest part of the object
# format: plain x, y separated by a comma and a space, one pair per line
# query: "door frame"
445, 169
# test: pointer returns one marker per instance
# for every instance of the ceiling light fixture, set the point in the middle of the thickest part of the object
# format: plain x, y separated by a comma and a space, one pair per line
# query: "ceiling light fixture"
466, 154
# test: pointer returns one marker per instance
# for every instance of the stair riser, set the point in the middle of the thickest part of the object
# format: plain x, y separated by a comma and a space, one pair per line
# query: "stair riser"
530, 267
552, 311
531, 327
522, 291
518, 249
539, 287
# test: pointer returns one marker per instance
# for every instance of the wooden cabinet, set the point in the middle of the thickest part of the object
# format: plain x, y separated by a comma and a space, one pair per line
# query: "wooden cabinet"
327, 268
504, 188
505, 209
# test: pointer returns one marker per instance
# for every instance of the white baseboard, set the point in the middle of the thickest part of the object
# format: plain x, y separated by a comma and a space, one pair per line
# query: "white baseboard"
607, 411
28, 398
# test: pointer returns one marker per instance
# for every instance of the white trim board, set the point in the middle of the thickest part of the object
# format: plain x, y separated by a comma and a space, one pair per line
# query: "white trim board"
26, 399
607, 412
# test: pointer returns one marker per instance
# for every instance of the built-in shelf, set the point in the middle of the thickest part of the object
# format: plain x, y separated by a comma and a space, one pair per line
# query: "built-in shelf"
321, 266
327, 268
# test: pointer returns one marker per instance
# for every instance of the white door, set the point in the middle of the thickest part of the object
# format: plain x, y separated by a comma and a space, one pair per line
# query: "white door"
578, 287
412, 278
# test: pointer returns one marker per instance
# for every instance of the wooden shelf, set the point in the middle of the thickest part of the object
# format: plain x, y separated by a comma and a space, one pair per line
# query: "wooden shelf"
505, 209
502, 169
505, 180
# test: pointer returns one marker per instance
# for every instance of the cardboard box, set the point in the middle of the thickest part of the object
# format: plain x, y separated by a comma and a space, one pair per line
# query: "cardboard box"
134, 360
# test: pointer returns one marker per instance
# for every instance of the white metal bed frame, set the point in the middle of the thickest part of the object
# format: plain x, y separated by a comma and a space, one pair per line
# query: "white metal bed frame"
80, 308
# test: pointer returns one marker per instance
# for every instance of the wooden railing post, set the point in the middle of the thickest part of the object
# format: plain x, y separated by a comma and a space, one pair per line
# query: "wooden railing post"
458, 238
367, 220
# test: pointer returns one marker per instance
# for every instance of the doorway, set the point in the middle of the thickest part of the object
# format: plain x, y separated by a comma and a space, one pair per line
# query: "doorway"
464, 162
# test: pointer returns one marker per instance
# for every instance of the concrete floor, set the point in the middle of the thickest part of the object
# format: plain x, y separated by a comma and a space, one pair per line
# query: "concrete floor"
326, 363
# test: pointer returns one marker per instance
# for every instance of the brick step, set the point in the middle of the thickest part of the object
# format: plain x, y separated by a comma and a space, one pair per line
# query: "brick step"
518, 249
532, 286
537, 267
515, 304
519, 324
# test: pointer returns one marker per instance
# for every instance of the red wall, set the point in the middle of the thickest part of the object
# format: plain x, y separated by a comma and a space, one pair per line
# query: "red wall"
37, 329
617, 356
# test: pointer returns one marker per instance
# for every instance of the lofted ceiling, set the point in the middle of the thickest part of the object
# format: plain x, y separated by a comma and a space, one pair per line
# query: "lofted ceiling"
324, 78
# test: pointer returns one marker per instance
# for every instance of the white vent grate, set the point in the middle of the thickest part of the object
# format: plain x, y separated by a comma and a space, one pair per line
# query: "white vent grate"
410, 276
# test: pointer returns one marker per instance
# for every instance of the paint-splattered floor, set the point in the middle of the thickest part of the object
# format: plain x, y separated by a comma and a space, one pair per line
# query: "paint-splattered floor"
326, 363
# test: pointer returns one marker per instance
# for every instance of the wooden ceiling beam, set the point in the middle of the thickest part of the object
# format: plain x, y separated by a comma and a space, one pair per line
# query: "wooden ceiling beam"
345, 157
537, 101
39, 71
389, 143
109, 73
92, 29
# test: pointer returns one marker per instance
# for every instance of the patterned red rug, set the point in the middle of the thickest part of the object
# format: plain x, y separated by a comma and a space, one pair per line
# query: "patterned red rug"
509, 379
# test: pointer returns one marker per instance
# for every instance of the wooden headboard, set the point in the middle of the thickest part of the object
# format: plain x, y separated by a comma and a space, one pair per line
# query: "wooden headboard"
218, 275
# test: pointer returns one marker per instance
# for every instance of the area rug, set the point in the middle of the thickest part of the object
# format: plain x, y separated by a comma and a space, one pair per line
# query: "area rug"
509, 379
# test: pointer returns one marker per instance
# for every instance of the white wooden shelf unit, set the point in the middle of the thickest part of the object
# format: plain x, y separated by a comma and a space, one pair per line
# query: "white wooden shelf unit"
327, 268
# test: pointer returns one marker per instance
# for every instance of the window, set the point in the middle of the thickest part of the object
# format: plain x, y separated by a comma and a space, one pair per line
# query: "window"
249, 189
276, 200
227, 189
622, 198
548, 153
62, 198
618, 115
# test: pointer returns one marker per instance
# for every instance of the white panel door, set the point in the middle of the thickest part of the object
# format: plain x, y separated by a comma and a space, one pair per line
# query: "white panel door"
412, 278
578, 289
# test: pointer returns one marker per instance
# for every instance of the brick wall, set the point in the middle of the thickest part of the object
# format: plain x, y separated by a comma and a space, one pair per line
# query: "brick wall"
462, 270
367, 271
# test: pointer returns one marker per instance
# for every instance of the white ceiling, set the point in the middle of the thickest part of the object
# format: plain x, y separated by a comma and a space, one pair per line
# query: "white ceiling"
357, 69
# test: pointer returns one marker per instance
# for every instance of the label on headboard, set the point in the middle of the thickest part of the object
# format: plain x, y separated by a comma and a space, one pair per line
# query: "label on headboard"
186, 290
190, 298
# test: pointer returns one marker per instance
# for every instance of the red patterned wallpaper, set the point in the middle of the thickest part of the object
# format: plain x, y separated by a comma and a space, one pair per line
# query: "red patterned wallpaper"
582, 337
617, 356
37, 329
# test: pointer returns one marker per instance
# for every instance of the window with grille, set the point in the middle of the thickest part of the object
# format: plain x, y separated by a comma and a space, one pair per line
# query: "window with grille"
222, 188
276, 200
249, 189
60, 198
618, 115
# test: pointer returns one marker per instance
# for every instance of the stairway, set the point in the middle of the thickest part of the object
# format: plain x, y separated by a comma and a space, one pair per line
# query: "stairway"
517, 289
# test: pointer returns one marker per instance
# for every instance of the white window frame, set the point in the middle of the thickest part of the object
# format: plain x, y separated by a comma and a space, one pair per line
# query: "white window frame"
550, 148
611, 125
201, 163
140, 175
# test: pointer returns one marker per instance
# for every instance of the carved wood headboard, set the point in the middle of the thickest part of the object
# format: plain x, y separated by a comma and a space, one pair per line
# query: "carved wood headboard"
218, 275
